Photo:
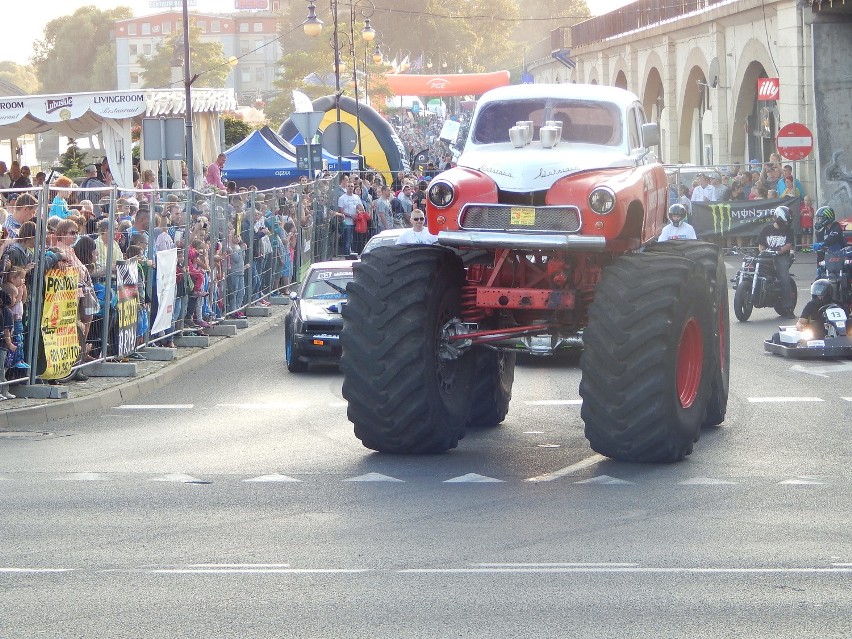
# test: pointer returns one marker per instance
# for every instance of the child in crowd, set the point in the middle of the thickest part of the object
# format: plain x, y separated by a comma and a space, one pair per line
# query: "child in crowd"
7, 346
806, 219
59, 206
236, 274
17, 289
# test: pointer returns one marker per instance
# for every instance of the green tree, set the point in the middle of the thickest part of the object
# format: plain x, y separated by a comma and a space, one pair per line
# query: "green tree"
73, 161
235, 131
77, 53
21, 76
207, 61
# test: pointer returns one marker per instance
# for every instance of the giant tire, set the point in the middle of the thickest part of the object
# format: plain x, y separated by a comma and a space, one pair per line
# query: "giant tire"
710, 258
402, 397
492, 387
647, 362
743, 304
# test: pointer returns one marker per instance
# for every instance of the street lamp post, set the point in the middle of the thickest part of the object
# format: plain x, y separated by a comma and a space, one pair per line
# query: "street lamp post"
187, 88
312, 27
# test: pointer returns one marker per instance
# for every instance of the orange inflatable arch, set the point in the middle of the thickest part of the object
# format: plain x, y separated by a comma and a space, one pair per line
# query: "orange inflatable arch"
446, 85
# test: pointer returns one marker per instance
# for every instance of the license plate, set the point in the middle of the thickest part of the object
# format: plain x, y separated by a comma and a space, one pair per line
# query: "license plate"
522, 216
319, 342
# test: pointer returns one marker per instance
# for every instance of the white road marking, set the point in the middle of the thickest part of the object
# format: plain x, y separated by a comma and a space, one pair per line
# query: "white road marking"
265, 405
473, 478
782, 400
234, 566
275, 477
706, 481
569, 470
554, 402
233, 571
549, 445
83, 477
35, 570
802, 481
533, 432
155, 406
846, 399
375, 477
579, 569
557, 565
179, 477
822, 371
605, 480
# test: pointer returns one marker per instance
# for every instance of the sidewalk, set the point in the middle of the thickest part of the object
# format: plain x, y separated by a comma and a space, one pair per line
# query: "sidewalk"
100, 393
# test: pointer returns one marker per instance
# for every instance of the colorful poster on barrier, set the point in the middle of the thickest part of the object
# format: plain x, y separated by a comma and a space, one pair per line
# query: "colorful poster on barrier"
127, 309
166, 278
716, 220
59, 323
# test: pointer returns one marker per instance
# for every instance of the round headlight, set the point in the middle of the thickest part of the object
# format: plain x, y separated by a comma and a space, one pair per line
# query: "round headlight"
441, 194
602, 200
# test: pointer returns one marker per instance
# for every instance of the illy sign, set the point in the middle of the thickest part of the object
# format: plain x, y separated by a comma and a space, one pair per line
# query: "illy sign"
768, 88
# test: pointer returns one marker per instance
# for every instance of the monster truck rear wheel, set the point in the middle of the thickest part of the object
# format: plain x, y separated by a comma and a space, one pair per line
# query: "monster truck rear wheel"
648, 359
710, 258
406, 391
492, 387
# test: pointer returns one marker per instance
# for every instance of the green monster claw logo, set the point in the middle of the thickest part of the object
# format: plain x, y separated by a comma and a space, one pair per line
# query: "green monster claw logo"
721, 218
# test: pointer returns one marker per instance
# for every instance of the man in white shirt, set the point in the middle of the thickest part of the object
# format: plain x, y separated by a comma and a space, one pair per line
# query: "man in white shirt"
703, 192
418, 234
678, 228
347, 207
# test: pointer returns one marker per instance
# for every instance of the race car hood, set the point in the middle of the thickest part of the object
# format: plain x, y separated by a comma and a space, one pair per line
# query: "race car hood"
534, 168
321, 310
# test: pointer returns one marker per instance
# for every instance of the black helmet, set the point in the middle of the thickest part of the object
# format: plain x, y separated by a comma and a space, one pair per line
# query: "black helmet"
822, 290
677, 210
824, 217
782, 215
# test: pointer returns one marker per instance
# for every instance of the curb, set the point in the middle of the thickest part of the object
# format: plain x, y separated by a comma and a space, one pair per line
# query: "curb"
131, 389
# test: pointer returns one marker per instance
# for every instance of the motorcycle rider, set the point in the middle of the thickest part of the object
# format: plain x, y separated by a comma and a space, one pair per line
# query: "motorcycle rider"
778, 238
829, 229
822, 292
677, 228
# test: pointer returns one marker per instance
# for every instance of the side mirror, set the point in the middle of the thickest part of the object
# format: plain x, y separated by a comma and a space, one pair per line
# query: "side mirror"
650, 134
294, 295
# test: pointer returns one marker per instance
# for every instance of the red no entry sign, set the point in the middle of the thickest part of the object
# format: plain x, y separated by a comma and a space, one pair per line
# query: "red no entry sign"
794, 141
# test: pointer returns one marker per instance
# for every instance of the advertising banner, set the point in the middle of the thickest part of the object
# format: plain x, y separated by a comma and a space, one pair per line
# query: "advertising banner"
166, 284
59, 323
713, 221
127, 308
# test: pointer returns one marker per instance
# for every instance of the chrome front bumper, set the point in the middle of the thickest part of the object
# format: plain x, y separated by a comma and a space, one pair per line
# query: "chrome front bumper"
522, 241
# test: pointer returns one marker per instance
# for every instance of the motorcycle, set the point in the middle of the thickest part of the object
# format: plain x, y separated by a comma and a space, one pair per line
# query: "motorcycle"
756, 284
837, 268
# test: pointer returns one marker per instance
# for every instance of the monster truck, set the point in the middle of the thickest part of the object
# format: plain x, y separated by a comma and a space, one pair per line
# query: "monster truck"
546, 227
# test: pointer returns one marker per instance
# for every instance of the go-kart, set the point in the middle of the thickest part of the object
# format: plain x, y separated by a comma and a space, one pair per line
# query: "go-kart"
829, 340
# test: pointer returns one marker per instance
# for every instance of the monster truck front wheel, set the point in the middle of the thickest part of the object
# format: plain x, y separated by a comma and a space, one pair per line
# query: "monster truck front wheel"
710, 258
492, 387
408, 390
647, 363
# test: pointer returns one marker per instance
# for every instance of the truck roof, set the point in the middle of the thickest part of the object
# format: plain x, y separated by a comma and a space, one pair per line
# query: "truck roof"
566, 91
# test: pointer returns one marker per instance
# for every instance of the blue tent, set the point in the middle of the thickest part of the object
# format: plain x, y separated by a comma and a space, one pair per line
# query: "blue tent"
256, 161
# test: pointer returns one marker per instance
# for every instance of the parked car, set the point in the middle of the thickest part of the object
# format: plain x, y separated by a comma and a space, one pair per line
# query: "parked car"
385, 238
313, 323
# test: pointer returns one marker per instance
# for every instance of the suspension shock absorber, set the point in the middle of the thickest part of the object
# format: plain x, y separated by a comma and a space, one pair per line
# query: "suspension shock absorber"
470, 312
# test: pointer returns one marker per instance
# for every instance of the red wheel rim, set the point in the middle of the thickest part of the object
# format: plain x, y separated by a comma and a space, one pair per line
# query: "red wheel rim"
690, 354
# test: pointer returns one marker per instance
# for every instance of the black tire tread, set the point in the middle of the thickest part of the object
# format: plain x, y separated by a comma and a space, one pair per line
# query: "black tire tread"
627, 381
492, 388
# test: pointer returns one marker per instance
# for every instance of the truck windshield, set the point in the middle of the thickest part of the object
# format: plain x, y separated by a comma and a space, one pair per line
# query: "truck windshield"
583, 121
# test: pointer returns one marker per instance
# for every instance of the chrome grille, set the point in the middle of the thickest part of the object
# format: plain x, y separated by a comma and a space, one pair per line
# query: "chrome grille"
497, 217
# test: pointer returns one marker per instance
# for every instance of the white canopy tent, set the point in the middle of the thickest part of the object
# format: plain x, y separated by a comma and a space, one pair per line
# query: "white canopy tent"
111, 115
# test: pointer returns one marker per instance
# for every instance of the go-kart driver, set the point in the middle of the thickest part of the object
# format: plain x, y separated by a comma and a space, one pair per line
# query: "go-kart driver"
778, 237
822, 293
677, 228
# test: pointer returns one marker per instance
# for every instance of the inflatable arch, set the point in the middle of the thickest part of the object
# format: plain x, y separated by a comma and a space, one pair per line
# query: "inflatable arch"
381, 146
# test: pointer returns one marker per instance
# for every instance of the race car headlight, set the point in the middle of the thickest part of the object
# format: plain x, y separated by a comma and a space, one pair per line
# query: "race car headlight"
602, 200
441, 194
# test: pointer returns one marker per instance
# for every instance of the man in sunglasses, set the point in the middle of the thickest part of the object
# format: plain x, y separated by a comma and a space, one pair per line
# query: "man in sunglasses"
418, 234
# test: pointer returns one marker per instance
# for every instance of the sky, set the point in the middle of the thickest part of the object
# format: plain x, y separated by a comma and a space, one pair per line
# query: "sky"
17, 43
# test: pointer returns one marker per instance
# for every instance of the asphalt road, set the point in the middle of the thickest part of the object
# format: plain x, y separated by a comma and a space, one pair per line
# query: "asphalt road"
237, 503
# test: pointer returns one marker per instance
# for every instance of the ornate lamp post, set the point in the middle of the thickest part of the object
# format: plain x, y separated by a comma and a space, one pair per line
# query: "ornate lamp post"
312, 27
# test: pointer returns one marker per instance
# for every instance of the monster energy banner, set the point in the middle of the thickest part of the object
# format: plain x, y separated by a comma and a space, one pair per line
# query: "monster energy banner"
715, 220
